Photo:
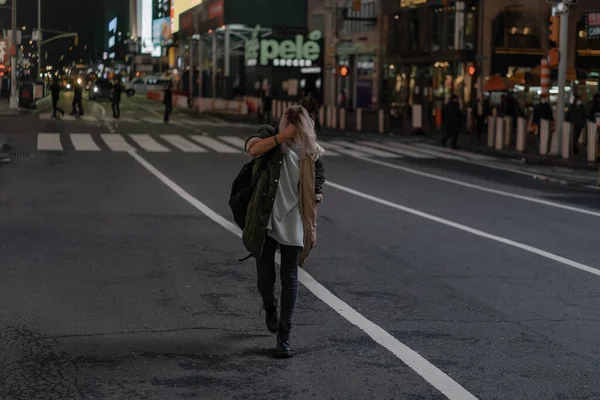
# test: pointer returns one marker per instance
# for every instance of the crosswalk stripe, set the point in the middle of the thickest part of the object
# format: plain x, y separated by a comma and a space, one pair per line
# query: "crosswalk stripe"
435, 153
147, 143
49, 142
332, 148
368, 150
183, 144
456, 153
214, 144
235, 141
395, 149
68, 117
83, 142
116, 142
152, 120
89, 118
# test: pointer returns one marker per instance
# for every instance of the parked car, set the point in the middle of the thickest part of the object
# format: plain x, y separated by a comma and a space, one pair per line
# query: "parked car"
144, 84
100, 89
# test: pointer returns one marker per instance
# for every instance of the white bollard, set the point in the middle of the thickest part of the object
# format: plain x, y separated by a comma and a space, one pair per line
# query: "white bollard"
334, 113
417, 116
508, 131
499, 133
521, 134
567, 139
555, 142
343, 119
359, 119
329, 117
592, 141
322, 115
381, 121
491, 131
544, 136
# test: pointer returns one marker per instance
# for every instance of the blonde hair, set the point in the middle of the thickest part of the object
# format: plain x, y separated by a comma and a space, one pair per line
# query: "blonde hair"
304, 123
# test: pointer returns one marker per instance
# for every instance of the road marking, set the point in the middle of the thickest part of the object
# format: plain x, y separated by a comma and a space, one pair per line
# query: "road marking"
341, 150
83, 142
116, 142
183, 144
68, 117
49, 142
465, 228
88, 118
395, 149
214, 144
152, 120
480, 188
147, 143
455, 152
436, 154
374, 152
235, 141
437, 378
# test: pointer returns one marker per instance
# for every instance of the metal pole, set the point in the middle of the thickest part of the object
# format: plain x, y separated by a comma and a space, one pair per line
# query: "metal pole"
562, 72
200, 64
14, 103
39, 38
214, 65
191, 75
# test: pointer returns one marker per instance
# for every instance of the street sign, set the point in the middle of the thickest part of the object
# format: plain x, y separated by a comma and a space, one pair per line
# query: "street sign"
36, 36
4, 51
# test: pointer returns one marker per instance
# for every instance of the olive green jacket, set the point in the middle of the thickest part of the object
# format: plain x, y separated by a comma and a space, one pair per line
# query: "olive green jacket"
312, 178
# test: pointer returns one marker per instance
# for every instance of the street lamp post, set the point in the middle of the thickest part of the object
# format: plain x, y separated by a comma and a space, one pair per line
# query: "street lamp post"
562, 9
39, 38
14, 103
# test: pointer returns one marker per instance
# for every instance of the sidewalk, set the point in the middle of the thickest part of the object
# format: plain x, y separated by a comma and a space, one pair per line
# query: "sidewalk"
5, 110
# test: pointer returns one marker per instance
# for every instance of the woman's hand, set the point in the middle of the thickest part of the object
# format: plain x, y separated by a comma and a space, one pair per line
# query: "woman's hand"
287, 134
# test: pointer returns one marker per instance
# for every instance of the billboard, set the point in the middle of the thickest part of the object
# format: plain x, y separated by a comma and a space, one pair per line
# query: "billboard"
146, 26
178, 7
161, 31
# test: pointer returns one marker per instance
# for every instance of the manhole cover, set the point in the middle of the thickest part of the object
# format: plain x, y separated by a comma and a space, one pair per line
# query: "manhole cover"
18, 154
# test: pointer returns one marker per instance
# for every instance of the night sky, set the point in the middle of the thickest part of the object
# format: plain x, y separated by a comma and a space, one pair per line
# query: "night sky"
82, 16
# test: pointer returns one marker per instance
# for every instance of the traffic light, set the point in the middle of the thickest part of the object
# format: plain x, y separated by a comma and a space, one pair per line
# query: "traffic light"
473, 70
356, 4
553, 57
344, 71
555, 28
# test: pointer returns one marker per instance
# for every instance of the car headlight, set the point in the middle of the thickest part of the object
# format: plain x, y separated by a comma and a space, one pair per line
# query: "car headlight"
68, 86
79, 81
95, 89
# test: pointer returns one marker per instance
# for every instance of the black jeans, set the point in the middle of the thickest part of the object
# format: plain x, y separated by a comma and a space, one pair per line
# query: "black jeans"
265, 270
77, 105
56, 107
116, 109
452, 134
168, 112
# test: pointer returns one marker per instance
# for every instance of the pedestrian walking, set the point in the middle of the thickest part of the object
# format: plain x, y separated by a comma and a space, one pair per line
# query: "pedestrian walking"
77, 99
452, 121
282, 212
311, 105
116, 99
577, 116
55, 91
168, 101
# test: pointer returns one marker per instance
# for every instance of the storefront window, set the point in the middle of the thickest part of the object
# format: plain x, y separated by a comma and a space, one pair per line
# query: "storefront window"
437, 29
414, 30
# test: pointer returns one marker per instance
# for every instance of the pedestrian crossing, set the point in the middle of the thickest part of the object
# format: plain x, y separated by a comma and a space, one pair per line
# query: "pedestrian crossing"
203, 144
191, 122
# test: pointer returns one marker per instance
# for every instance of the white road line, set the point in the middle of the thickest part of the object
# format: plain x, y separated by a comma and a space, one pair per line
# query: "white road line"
49, 142
183, 144
395, 149
374, 152
235, 141
456, 152
88, 118
477, 232
83, 142
147, 143
116, 142
214, 144
68, 117
330, 147
480, 188
437, 154
437, 378
152, 120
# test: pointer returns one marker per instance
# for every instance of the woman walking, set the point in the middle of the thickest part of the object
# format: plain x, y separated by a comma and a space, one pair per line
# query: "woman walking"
283, 212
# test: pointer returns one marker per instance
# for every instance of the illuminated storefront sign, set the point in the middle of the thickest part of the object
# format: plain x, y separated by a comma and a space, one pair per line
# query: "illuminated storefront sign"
592, 23
146, 26
112, 30
300, 52
411, 3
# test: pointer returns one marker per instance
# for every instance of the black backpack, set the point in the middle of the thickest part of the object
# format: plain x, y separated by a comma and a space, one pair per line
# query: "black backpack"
243, 187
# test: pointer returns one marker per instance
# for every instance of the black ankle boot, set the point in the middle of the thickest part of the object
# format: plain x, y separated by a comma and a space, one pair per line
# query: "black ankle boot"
283, 349
271, 317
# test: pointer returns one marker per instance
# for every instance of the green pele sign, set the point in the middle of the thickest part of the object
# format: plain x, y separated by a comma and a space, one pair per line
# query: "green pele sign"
300, 52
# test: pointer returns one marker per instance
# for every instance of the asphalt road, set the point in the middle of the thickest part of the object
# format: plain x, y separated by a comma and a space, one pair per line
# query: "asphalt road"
437, 274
